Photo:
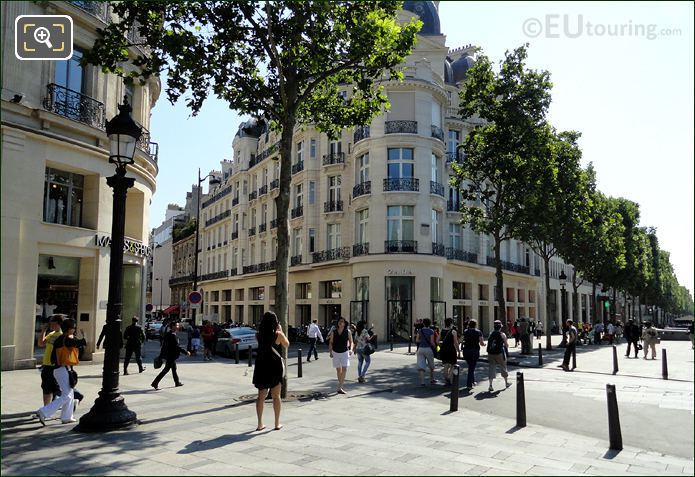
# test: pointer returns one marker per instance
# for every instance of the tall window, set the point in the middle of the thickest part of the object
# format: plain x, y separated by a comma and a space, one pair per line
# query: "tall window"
298, 198
263, 251
362, 226
434, 226
454, 141
436, 114
400, 223
235, 252
264, 214
236, 223
362, 169
129, 92
252, 254
334, 188
253, 218
312, 240
335, 146
62, 197
455, 236
333, 236
435, 169
69, 73
276, 170
400, 163
300, 151
312, 192
265, 176
312, 149
297, 241
455, 198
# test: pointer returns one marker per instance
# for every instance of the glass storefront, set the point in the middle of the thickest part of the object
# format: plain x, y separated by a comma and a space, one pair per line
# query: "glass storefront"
399, 311
132, 293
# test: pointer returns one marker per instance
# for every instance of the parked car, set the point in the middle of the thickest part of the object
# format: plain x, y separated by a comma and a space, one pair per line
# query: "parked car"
153, 329
242, 336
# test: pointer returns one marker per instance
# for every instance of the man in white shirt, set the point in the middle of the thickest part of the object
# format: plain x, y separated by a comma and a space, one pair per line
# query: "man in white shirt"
611, 332
313, 333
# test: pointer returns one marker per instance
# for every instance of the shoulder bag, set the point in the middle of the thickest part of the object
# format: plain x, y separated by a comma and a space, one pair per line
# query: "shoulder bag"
282, 361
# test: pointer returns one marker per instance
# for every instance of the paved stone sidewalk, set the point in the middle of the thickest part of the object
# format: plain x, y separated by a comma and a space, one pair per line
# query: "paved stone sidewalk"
379, 428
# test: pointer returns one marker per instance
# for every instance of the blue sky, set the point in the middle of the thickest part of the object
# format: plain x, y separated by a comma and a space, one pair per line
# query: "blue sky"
623, 77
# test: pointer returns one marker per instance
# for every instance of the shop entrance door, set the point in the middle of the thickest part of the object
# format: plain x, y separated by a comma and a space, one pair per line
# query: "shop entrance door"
399, 319
328, 315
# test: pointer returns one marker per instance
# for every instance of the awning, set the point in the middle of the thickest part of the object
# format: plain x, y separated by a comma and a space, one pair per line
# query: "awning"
171, 309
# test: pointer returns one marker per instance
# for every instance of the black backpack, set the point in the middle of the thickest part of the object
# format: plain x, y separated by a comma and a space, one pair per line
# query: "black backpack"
495, 343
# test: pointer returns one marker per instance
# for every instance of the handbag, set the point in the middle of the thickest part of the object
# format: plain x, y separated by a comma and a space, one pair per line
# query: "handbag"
67, 356
158, 362
72, 377
284, 368
368, 349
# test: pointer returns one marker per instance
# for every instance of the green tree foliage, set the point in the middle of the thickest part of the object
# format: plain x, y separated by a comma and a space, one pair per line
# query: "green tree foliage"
500, 153
184, 231
282, 61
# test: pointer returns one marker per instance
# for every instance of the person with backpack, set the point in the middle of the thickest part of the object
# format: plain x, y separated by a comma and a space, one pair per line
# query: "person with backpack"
497, 347
134, 338
448, 346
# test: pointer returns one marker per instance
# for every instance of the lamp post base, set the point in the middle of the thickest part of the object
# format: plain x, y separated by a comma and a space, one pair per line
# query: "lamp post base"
109, 413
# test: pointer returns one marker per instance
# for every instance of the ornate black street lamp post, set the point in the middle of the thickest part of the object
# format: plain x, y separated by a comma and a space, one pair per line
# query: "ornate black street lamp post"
110, 411
563, 282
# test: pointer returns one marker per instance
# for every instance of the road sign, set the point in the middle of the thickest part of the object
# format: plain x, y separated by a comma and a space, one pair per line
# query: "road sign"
194, 298
149, 307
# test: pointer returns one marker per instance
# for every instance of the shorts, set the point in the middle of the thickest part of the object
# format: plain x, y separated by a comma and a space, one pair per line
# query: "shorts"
208, 344
341, 360
425, 358
49, 385
195, 343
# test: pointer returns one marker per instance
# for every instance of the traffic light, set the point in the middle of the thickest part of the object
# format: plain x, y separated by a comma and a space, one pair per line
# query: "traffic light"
607, 304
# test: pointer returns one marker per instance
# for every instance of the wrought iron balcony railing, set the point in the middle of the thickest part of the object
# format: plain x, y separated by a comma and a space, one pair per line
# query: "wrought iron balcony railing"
400, 127
436, 188
235, 201
454, 156
438, 249
179, 280
76, 106
361, 132
235, 235
295, 260
512, 267
400, 246
224, 192
297, 212
340, 253
215, 275
262, 190
437, 132
252, 231
402, 184
233, 272
218, 217
250, 269
275, 184
262, 228
253, 195
334, 158
333, 206
298, 167
360, 249
362, 188
274, 224
462, 255
147, 146
98, 9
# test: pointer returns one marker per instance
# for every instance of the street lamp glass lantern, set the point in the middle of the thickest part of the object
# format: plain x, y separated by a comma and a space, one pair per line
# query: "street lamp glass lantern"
123, 135
563, 279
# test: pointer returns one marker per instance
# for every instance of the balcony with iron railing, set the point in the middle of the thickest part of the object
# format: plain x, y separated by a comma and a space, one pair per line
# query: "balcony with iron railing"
437, 132
438, 249
454, 156
235, 235
436, 188
400, 246
298, 167
218, 217
235, 201
215, 275
275, 184
147, 146
253, 195
400, 184
273, 224
461, 255
340, 253
224, 192
400, 127
98, 9
263, 190
361, 132
262, 228
363, 188
509, 266
179, 280
250, 269
297, 212
252, 231
360, 249
334, 158
295, 260
333, 206
75, 106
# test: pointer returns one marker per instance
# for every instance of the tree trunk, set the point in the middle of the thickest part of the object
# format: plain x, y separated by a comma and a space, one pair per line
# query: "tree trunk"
615, 305
283, 237
500, 284
592, 319
546, 324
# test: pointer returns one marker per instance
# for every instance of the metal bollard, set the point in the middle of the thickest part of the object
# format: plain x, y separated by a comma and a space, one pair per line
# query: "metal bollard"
410, 343
236, 353
454, 402
615, 360
391, 345
614, 434
664, 364
299, 363
250, 356
540, 355
520, 400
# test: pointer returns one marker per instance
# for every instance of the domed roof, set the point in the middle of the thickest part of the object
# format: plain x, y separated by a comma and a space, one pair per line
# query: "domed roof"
428, 15
250, 128
461, 66
448, 72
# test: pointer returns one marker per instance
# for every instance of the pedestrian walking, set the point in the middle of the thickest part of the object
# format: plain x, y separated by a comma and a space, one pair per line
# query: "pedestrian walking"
49, 385
270, 367
571, 345
539, 329
632, 335
598, 330
207, 332
650, 338
314, 334
425, 352
340, 346
195, 340
363, 350
65, 356
497, 350
619, 330
472, 341
448, 346
516, 333
171, 349
134, 338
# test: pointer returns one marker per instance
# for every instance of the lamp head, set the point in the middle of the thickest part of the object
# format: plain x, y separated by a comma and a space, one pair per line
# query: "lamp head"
123, 135
563, 278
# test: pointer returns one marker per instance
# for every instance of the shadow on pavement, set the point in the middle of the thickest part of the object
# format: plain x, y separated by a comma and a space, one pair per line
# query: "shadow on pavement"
217, 442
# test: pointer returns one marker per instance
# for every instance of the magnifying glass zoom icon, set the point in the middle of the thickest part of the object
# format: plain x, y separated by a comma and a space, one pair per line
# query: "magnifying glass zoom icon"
42, 35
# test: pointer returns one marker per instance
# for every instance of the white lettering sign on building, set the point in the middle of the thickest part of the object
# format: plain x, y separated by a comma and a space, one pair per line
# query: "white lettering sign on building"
133, 247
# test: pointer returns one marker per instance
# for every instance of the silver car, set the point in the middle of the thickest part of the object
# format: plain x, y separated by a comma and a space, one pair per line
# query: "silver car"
241, 336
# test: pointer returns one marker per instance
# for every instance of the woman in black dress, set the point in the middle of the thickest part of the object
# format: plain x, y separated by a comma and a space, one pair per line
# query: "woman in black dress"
267, 375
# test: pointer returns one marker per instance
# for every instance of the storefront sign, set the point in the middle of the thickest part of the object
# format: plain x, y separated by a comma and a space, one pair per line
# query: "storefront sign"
399, 271
132, 247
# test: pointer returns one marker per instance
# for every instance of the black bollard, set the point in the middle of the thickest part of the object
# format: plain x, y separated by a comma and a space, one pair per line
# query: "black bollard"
250, 356
410, 343
520, 401
664, 364
614, 434
574, 358
454, 401
540, 355
391, 345
615, 360
299, 363
236, 353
